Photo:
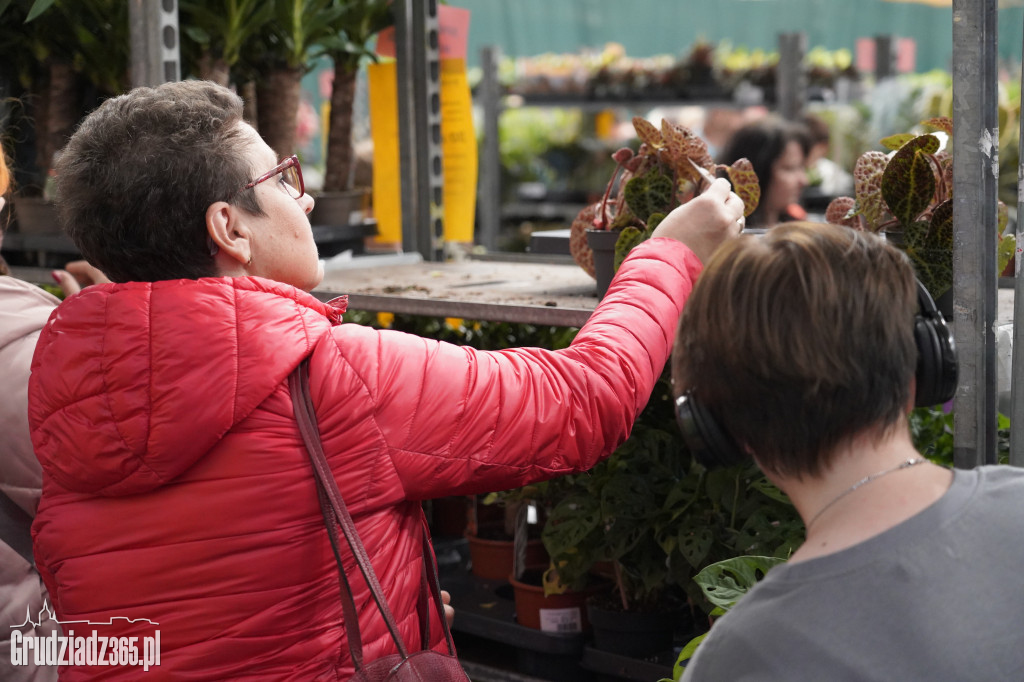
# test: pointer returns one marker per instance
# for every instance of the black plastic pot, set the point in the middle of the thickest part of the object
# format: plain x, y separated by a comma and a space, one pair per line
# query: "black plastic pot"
637, 634
602, 243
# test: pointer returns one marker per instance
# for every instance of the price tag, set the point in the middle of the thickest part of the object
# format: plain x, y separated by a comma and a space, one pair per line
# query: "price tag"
561, 620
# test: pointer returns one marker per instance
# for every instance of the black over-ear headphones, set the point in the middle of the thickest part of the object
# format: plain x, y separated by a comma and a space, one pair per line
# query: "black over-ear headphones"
936, 377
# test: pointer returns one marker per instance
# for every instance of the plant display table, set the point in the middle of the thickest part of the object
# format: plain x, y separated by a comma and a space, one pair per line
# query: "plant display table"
502, 291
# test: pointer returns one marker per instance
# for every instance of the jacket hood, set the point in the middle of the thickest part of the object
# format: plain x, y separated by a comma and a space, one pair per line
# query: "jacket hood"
132, 383
24, 310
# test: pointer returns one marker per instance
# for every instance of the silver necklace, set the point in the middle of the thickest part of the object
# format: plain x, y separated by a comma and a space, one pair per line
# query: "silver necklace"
909, 462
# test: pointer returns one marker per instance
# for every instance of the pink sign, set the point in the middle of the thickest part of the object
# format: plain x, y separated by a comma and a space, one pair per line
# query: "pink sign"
453, 34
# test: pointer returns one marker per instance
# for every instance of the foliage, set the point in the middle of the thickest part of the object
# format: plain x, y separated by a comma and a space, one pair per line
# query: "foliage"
221, 29
931, 429
660, 517
649, 507
724, 584
662, 175
355, 24
908, 192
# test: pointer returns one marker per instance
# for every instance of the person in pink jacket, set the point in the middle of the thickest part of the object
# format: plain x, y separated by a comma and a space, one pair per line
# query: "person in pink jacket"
177, 492
24, 309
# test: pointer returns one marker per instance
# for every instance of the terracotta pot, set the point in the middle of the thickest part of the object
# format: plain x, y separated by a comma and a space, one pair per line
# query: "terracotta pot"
562, 613
493, 559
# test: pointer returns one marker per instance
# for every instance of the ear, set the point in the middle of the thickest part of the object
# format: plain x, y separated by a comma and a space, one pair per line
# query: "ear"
230, 234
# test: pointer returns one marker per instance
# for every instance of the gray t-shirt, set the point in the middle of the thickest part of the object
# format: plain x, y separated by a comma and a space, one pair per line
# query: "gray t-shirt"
938, 597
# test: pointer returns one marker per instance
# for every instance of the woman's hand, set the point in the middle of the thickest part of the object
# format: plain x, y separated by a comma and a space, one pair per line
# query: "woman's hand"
449, 611
76, 275
706, 221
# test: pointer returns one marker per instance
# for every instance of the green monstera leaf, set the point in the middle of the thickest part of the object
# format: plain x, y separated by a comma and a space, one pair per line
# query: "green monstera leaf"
649, 193
725, 582
908, 184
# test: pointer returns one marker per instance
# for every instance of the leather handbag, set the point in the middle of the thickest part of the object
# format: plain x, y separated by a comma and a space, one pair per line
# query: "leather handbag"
425, 665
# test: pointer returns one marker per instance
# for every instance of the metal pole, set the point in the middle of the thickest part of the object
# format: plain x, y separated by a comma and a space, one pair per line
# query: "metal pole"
155, 45
426, 60
489, 193
885, 57
407, 167
975, 180
1017, 364
419, 127
792, 89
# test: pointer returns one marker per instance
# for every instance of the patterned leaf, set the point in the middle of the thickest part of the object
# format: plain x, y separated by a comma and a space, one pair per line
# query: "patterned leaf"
943, 123
577, 515
940, 235
945, 162
745, 184
681, 145
908, 184
1007, 246
867, 185
841, 211
629, 238
894, 142
646, 131
650, 193
695, 540
725, 582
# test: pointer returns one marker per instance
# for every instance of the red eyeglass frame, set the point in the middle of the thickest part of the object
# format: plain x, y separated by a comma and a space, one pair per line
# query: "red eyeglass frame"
291, 162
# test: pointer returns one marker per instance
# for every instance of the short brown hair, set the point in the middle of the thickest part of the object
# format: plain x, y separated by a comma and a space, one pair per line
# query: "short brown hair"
800, 339
136, 178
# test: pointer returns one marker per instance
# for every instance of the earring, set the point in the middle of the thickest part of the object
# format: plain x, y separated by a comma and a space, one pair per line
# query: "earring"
249, 262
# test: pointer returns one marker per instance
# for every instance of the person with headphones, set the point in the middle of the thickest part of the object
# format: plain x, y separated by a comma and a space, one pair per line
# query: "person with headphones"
805, 349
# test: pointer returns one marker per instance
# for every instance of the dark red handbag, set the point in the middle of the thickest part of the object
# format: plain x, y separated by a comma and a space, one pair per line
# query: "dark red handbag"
425, 665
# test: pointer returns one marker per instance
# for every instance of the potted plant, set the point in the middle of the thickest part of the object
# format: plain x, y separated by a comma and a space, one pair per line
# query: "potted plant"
907, 195
724, 583
657, 517
644, 188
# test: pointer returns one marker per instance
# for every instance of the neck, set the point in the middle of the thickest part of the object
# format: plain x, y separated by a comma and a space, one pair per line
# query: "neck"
868, 489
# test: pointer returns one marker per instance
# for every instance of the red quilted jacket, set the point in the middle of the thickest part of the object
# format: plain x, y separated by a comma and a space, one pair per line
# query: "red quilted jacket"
177, 489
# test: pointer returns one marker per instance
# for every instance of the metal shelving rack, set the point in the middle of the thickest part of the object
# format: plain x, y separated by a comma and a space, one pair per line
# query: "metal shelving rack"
975, 153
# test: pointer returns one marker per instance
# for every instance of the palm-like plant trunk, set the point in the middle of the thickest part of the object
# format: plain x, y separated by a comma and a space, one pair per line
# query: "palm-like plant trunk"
60, 112
338, 172
277, 107
214, 69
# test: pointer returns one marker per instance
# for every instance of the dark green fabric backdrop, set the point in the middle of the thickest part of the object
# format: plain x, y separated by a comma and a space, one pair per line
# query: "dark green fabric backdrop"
649, 27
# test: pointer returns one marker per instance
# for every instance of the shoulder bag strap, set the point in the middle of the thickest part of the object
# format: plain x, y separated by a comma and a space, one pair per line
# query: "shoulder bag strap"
333, 505
16, 528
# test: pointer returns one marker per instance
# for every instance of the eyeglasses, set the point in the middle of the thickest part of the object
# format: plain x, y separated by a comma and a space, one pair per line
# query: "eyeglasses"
291, 177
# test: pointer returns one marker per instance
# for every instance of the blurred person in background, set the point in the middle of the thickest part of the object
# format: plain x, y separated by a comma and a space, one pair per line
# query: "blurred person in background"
776, 149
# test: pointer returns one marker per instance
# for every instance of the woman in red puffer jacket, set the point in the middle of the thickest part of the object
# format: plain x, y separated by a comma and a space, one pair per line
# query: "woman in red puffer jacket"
176, 486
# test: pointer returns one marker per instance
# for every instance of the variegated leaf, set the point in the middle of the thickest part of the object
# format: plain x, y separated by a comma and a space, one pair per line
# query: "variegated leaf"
841, 211
629, 238
650, 193
894, 142
943, 123
745, 184
647, 133
867, 185
941, 233
908, 184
